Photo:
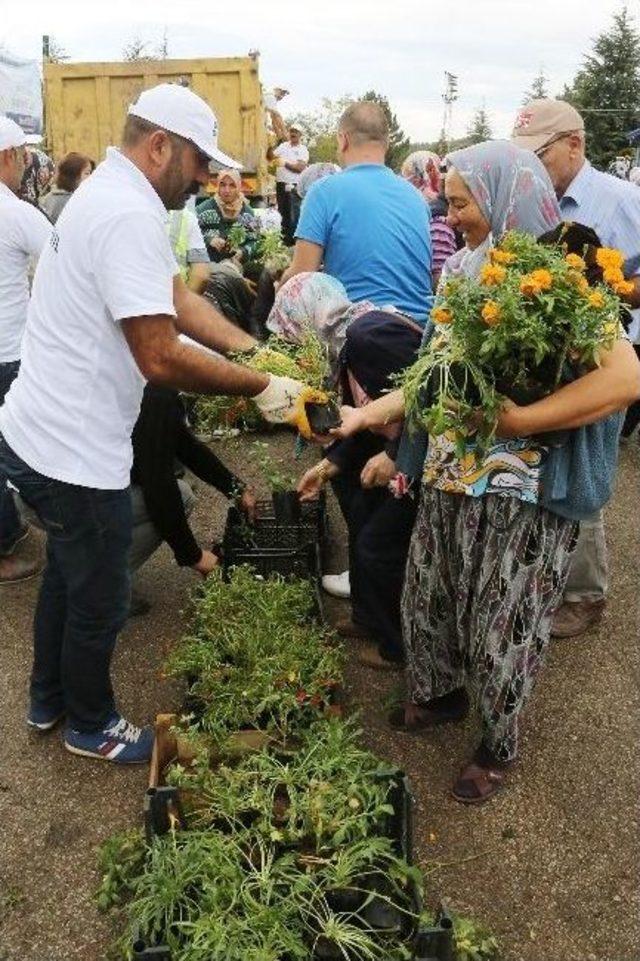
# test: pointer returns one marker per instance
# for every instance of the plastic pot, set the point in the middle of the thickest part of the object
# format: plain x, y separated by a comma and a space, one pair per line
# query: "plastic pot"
286, 507
322, 417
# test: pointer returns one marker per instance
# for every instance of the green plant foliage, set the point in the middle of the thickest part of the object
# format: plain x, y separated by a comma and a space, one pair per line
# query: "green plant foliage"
253, 657
306, 361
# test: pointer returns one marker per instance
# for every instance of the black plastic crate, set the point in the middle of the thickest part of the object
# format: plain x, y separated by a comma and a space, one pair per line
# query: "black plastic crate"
436, 943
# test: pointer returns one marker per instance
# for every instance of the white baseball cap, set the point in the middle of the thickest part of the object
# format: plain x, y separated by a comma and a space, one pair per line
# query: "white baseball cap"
177, 109
11, 135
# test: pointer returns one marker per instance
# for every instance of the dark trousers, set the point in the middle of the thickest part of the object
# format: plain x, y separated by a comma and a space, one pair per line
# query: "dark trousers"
10, 523
84, 595
289, 207
632, 418
381, 551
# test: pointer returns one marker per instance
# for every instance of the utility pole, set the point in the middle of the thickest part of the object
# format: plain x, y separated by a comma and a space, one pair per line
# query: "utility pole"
449, 97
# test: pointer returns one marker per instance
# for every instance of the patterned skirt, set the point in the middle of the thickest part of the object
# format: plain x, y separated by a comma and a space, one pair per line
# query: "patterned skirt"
484, 576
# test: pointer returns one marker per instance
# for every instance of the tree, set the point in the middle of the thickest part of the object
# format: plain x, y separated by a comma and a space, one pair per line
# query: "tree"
319, 128
606, 90
538, 89
399, 145
480, 127
135, 50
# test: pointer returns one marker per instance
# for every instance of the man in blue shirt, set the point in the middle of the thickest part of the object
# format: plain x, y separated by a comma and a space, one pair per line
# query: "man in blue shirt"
554, 130
367, 226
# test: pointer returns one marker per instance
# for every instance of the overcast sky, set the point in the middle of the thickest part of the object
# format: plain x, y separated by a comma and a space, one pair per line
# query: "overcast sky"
401, 49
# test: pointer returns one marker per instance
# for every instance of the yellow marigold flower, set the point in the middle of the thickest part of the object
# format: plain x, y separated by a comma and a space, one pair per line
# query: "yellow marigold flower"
578, 281
608, 257
596, 299
529, 286
492, 274
611, 328
440, 315
613, 276
624, 288
543, 278
491, 313
576, 262
501, 256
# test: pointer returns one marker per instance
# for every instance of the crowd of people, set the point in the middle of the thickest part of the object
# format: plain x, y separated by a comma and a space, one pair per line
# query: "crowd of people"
460, 567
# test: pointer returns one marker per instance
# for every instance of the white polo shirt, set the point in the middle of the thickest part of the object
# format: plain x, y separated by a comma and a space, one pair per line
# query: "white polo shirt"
70, 412
24, 230
290, 154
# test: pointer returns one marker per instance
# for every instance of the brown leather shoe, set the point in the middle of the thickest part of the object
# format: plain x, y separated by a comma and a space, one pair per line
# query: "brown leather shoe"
576, 617
345, 627
16, 569
370, 656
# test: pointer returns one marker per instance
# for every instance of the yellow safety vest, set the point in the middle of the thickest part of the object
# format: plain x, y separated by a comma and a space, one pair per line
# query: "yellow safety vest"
177, 228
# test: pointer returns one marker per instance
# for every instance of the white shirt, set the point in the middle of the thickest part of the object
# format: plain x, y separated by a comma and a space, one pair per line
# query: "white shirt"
24, 231
70, 412
290, 154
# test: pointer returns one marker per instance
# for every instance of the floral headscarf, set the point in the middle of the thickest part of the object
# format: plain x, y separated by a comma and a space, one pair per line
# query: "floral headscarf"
312, 174
318, 302
512, 189
422, 169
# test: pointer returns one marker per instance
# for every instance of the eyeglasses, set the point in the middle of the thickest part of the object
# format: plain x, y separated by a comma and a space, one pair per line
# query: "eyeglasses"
543, 150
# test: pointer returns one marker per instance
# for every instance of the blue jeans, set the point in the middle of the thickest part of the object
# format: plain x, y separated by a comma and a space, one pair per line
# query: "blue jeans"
10, 523
84, 595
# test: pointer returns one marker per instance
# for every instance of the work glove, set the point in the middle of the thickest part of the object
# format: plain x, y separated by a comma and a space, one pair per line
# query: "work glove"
283, 402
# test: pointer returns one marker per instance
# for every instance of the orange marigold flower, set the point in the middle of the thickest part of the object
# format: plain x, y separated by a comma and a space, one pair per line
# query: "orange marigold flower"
440, 315
578, 281
608, 257
613, 276
492, 274
624, 288
576, 262
491, 313
501, 256
543, 278
596, 299
529, 286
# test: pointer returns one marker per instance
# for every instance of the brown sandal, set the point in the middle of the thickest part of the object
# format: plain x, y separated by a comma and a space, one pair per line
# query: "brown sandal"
411, 717
478, 784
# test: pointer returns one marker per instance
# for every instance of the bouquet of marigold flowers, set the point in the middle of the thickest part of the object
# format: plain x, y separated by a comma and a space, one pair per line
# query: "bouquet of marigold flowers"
530, 323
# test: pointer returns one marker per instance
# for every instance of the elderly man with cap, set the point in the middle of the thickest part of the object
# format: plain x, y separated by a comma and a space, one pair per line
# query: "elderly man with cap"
24, 230
107, 308
554, 131
292, 157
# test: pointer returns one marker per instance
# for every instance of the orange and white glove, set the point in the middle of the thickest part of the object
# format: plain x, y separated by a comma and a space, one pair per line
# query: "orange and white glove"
283, 402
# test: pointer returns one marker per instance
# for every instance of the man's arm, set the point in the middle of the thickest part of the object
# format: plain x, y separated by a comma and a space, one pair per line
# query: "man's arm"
163, 359
604, 391
198, 277
202, 323
295, 166
306, 257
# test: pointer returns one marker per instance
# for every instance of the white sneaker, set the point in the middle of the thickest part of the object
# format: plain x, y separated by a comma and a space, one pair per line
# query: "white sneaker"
337, 584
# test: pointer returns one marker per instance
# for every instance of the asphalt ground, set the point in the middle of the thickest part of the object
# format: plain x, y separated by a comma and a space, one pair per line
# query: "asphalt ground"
550, 865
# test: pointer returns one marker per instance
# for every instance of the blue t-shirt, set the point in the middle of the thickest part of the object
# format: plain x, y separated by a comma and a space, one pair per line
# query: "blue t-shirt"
374, 230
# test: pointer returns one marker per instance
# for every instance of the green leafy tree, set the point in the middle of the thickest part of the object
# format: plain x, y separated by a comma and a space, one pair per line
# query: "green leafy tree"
538, 89
480, 127
319, 128
606, 90
399, 144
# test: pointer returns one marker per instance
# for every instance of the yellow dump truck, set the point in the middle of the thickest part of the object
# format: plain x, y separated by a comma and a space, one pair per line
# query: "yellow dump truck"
86, 103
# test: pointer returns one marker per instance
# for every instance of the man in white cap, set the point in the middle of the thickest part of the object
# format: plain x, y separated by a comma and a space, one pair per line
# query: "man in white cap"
554, 131
292, 157
107, 308
24, 230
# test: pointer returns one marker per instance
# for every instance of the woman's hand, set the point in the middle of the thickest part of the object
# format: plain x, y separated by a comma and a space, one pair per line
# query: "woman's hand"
207, 563
218, 243
247, 503
351, 422
313, 480
378, 471
509, 422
